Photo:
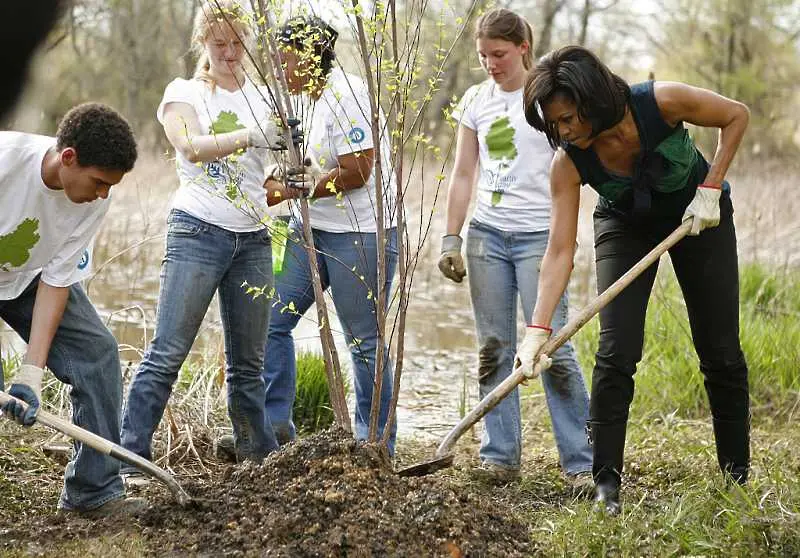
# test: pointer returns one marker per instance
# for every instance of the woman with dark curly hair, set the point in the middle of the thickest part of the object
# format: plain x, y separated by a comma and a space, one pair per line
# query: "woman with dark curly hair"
630, 144
54, 195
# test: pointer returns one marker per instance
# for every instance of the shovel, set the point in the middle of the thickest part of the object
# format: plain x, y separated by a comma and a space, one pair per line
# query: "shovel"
444, 454
105, 447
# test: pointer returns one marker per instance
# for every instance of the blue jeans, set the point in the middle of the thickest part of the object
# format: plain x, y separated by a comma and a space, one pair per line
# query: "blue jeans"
339, 254
500, 266
200, 260
84, 355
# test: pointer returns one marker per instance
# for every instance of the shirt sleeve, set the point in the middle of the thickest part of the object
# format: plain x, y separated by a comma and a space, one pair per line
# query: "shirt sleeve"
351, 131
177, 91
463, 112
73, 261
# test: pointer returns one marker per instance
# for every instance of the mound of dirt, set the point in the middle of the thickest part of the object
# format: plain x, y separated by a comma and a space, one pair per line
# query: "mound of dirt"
327, 495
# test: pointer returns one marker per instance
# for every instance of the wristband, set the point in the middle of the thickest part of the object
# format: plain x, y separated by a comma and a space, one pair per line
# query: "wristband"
713, 186
547, 329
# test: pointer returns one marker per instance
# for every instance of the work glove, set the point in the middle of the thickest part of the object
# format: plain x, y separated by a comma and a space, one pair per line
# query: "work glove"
526, 359
27, 386
268, 133
303, 180
704, 208
451, 263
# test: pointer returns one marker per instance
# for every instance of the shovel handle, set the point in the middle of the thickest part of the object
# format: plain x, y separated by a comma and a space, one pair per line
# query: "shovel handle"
105, 447
587, 313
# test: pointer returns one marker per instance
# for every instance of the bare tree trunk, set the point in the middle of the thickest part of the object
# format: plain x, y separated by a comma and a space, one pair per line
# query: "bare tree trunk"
551, 9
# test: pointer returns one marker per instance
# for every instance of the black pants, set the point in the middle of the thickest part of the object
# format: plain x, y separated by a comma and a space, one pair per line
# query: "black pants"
707, 270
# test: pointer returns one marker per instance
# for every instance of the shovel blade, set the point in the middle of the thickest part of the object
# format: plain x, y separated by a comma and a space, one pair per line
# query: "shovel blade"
427, 467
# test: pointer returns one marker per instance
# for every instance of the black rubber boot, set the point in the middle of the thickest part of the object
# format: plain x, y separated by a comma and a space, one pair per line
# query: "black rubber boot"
608, 447
733, 448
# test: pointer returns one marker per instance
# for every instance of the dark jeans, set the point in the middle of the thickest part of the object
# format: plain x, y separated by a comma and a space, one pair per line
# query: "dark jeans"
707, 270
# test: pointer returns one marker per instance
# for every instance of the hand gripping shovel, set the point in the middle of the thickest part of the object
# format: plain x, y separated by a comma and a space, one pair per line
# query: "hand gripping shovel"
108, 448
444, 454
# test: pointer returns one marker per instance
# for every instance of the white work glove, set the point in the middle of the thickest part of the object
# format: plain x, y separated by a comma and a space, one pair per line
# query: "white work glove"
451, 263
704, 208
266, 134
303, 180
526, 360
27, 386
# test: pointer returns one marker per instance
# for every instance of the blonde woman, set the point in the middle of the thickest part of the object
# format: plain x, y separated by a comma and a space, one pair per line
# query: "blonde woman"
216, 237
506, 241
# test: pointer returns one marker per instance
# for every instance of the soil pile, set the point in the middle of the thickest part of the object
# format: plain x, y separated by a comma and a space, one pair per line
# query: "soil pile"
327, 495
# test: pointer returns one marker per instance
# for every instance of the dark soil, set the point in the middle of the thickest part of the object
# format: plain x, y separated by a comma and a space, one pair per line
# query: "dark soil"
325, 495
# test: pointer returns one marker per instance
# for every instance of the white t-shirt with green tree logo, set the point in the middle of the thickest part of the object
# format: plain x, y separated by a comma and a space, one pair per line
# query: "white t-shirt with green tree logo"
513, 183
41, 230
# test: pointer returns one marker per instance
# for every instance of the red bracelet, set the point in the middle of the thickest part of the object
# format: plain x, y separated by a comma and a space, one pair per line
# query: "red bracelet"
706, 185
547, 329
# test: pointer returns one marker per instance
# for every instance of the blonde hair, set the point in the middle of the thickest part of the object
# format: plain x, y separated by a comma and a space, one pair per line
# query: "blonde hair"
506, 25
215, 12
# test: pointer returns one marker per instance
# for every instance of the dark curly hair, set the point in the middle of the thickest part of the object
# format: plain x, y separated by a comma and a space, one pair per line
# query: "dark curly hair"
100, 136
314, 34
577, 74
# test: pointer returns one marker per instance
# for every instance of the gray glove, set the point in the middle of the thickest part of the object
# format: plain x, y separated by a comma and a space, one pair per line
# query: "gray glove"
451, 263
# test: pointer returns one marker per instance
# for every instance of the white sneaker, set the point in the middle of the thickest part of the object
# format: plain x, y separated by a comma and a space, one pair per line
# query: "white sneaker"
135, 479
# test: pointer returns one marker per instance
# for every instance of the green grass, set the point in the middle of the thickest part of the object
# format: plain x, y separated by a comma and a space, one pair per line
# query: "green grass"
668, 378
312, 406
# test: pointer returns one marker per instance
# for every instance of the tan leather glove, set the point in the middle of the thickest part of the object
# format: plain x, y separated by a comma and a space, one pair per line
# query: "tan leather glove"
451, 263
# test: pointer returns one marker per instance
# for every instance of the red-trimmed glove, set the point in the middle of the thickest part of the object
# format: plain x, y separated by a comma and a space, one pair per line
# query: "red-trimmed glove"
704, 208
528, 358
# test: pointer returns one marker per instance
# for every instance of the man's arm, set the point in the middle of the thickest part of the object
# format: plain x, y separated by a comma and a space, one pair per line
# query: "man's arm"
47, 312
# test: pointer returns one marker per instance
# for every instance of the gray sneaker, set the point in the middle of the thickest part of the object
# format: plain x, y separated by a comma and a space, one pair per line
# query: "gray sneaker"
582, 484
135, 479
496, 473
121, 507
224, 448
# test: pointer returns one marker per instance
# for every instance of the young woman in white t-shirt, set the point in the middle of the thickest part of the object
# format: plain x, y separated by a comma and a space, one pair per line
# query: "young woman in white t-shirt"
342, 212
219, 123
505, 244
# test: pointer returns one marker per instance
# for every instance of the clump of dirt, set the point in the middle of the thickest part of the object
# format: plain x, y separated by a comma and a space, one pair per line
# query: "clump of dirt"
328, 495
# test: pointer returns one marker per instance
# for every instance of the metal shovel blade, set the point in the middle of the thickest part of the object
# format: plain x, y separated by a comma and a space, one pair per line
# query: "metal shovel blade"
427, 467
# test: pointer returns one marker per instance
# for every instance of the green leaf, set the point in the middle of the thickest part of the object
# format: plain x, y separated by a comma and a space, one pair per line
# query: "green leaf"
500, 139
496, 197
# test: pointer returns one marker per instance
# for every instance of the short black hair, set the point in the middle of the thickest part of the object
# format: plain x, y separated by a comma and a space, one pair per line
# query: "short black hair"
311, 33
576, 73
100, 136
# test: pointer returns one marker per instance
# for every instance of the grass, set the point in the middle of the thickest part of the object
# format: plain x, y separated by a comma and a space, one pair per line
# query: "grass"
668, 378
312, 407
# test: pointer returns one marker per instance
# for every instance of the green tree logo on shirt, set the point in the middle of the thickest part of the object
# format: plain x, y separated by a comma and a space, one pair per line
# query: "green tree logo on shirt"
15, 247
226, 121
500, 141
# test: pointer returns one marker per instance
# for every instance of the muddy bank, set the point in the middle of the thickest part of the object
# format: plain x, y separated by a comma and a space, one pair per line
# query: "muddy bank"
325, 495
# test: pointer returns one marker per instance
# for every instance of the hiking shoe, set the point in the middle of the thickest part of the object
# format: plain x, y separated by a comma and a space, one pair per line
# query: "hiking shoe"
135, 479
224, 448
582, 484
121, 507
495, 473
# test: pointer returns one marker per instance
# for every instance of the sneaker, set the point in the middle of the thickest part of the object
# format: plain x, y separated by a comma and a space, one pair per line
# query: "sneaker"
496, 474
224, 449
582, 484
135, 479
121, 507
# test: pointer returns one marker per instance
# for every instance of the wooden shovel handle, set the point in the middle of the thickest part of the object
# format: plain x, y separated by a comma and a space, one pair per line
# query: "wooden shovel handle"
587, 313
102, 445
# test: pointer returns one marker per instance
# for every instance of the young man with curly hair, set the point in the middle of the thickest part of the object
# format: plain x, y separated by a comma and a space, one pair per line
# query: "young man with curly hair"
53, 196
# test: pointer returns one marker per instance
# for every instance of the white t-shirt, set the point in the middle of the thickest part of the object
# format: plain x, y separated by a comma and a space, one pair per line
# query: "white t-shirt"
228, 192
41, 230
339, 124
514, 185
